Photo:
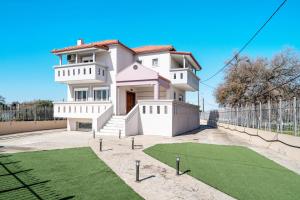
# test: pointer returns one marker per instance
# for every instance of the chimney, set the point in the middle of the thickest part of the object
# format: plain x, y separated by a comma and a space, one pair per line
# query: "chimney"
80, 42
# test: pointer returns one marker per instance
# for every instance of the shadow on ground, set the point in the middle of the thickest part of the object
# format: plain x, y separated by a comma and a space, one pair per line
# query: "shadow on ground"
198, 130
16, 182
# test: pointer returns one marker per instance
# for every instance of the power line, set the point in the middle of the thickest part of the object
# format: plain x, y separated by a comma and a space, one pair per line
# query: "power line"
209, 86
248, 42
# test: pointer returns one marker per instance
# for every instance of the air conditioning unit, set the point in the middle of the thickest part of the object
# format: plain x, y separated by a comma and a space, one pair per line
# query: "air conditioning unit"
71, 57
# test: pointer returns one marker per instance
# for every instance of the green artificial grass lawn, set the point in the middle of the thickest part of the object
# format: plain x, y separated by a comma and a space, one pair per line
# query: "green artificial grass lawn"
60, 174
237, 171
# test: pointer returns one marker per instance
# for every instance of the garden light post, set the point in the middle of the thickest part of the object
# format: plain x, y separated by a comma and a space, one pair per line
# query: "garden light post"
137, 170
177, 165
94, 134
100, 144
132, 143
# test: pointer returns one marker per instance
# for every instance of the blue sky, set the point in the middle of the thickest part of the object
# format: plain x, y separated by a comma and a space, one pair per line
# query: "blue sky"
212, 30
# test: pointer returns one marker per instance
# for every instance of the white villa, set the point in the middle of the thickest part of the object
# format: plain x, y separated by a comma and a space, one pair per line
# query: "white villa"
112, 88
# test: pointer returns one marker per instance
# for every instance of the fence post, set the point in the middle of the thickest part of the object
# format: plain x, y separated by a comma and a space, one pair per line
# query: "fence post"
260, 115
295, 116
237, 116
280, 115
269, 115
252, 115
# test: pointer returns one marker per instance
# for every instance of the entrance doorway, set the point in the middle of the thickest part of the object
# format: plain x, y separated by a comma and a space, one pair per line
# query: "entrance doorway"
130, 101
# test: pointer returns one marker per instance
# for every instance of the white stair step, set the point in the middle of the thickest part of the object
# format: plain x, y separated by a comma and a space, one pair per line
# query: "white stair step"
112, 128
117, 120
118, 117
109, 131
115, 124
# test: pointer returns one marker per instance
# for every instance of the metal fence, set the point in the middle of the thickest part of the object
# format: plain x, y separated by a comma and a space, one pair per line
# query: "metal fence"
32, 113
280, 117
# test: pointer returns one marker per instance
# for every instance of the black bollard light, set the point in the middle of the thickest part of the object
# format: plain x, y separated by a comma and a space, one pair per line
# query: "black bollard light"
119, 134
94, 135
132, 143
100, 144
177, 165
137, 170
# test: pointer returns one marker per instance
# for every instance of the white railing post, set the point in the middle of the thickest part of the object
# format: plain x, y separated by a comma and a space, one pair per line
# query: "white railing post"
295, 116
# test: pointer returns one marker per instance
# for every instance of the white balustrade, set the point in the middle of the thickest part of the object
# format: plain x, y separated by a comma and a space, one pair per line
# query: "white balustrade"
80, 109
81, 73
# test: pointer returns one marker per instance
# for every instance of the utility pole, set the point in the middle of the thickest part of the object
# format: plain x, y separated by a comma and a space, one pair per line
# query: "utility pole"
203, 104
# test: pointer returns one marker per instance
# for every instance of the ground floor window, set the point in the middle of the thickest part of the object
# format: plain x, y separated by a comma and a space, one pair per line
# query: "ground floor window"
80, 95
84, 126
101, 94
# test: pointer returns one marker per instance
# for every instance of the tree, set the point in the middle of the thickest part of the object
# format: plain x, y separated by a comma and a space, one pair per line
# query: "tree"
250, 80
2, 100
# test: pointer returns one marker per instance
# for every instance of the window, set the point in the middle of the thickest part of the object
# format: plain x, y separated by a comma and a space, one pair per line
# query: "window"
58, 73
151, 110
174, 97
181, 75
73, 72
90, 70
78, 71
158, 109
63, 72
101, 94
155, 62
174, 76
68, 72
84, 71
166, 109
144, 109
80, 95
99, 71
103, 72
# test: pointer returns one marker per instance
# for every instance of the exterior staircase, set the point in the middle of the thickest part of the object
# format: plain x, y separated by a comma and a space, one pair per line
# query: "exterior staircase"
113, 126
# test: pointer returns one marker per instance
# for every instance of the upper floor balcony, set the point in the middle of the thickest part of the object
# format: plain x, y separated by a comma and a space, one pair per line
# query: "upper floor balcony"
90, 72
185, 79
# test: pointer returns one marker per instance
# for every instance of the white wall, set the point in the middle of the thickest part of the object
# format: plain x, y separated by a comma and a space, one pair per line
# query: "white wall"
125, 58
154, 123
164, 62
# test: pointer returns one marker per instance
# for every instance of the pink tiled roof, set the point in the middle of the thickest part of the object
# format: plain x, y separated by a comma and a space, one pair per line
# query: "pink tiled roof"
101, 44
144, 49
153, 48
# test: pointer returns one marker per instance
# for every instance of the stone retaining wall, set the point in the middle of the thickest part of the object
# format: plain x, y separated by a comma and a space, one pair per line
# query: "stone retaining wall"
27, 126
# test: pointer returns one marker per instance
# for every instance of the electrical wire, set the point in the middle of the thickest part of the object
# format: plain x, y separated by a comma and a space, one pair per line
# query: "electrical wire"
248, 42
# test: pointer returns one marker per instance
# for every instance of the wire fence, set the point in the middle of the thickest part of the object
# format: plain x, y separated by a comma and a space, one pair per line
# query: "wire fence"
279, 117
32, 113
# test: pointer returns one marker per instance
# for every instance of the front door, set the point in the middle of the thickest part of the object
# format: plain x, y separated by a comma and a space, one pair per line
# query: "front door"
130, 101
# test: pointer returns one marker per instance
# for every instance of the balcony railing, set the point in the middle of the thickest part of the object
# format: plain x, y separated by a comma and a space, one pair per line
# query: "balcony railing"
185, 79
81, 73
80, 109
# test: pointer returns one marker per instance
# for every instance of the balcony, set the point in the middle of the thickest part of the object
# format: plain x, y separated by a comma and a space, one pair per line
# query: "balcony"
84, 109
185, 79
90, 72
